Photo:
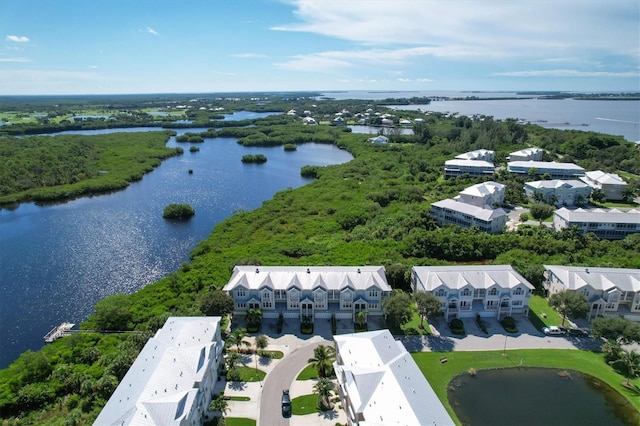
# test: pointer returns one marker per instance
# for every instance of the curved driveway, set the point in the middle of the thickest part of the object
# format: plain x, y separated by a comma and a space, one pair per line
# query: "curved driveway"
281, 378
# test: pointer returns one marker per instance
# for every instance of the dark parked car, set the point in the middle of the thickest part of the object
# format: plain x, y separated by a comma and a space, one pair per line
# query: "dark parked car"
578, 332
286, 403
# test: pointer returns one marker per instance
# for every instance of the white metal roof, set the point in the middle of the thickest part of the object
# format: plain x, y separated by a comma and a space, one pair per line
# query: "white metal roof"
485, 214
476, 276
385, 384
605, 178
599, 216
161, 379
473, 155
545, 165
483, 189
603, 279
556, 183
308, 277
469, 163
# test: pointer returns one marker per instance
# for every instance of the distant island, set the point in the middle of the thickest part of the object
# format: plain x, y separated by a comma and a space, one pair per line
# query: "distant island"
254, 158
178, 211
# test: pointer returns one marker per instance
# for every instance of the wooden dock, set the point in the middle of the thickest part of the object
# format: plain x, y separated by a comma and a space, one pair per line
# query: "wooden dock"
62, 330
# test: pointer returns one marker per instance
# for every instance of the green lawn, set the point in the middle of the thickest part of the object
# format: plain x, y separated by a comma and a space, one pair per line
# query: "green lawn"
239, 421
248, 374
413, 326
305, 404
308, 373
539, 306
239, 398
439, 375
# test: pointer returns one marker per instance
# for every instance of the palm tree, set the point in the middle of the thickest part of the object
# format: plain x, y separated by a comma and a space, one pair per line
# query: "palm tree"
219, 404
361, 318
631, 360
237, 338
322, 361
324, 389
261, 342
254, 318
233, 358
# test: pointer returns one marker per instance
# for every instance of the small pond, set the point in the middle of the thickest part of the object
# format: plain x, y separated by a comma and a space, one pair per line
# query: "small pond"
537, 396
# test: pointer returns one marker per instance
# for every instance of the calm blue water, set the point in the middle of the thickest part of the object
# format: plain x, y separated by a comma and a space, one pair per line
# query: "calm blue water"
57, 261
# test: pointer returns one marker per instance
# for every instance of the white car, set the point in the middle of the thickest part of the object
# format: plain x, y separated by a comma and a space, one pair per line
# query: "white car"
552, 330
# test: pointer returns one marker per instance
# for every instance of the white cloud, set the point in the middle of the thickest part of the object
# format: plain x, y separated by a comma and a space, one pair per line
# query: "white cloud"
15, 60
567, 73
526, 28
152, 31
94, 67
249, 55
18, 39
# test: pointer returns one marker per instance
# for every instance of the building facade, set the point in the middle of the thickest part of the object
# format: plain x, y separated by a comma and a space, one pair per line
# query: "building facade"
612, 224
540, 168
465, 215
559, 192
489, 194
466, 291
471, 168
172, 380
527, 154
610, 184
380, 383
309, 292
610, 291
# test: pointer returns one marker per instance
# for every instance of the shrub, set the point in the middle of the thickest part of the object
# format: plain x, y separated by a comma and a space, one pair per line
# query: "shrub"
482, 324
290, 147
334, 324
456, 326
509, 325
178, 211
280, 322
254, 158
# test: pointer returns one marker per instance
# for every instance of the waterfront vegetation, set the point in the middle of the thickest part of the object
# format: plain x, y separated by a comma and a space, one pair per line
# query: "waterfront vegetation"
178, 211
440, 374
254, 158
46, 168
372, 210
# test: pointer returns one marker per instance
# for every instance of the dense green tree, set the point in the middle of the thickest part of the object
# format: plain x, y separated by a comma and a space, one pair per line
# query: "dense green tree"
261, 343
220, 404
324, 389
428, 305
569, 304
541, 211
178, 211
216, 303
113, 313
630, 360
397, 308
598, 196
616, 329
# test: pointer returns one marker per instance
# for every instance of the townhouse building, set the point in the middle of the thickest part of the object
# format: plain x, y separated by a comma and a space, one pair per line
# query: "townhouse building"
311, 292
379, 383
610, 184
611, 224
453, 212
539, 168
466, 291
172, 380
489, 194
527, 154
470, 168
559, 192
610, 291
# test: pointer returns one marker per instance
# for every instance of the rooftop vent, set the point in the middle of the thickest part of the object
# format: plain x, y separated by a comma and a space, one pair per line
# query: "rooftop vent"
257, 271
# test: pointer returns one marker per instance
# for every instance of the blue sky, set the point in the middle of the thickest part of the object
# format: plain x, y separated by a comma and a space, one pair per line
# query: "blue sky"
188, 46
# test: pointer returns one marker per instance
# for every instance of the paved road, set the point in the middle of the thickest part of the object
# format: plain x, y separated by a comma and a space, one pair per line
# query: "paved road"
281, 378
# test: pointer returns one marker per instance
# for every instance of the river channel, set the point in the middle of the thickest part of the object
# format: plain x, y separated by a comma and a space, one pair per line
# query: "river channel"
57, 261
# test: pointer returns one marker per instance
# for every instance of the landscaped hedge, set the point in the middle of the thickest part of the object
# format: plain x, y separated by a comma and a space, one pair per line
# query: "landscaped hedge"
509, 325
456, 326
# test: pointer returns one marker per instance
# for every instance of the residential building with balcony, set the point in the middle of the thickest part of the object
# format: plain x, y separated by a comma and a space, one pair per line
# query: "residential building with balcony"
379, 383
172, 380
466, 291
309, 292
527, 154
470, 168
610, 184
559, 192
489, 194
465, 215
612, 224
610, 291
539, 168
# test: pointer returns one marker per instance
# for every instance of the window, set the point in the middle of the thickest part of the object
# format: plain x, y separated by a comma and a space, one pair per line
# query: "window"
493, 292
241, 305
373, 306
334, 294
441, 293
266, 296
241, 292
294, 299
466, 292
518, 291
516, 303
346, 300
490, 303
374, 294
267, 304
585, 291
281, 294
611, 306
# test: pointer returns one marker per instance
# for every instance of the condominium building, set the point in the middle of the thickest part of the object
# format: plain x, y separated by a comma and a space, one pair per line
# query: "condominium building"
380, 383
527, 154
489, 194
610, 291
612, 224
467, 291
477, 155
551, 168
171, 382
470, 168
312, 292
465, 215
559, 192
610, 184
